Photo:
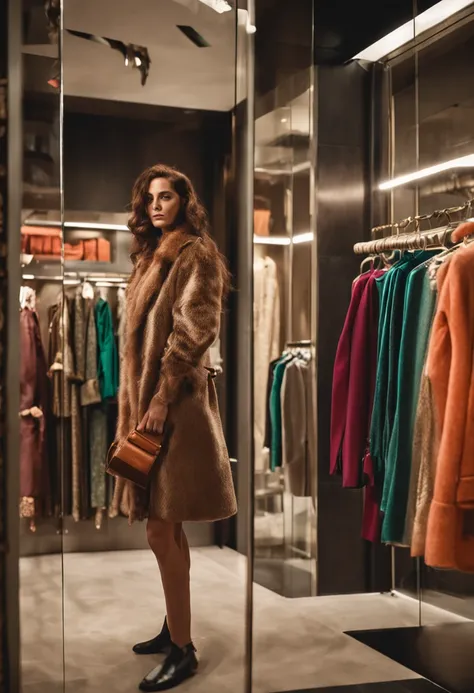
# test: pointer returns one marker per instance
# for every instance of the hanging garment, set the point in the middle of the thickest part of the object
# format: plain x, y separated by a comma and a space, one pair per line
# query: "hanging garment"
90, 391
275, 412
358, 468
361, 384
424, 459
268, 419
98, 445
108, 368
122, 321
266, 344
396, 320
35, 487
417, 316
298, 427
340, 383
384, 287
449, 541
80, 496
410, 420
61, 356
61, 371
425, 441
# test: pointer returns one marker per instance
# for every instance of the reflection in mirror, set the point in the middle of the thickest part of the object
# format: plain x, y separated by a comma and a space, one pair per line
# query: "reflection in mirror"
40, 422
148, 84
284, 476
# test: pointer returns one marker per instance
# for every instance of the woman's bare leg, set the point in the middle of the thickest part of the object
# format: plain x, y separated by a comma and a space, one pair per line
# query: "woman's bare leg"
169, 544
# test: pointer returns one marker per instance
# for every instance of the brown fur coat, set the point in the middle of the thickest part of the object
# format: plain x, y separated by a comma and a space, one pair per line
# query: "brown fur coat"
174, 303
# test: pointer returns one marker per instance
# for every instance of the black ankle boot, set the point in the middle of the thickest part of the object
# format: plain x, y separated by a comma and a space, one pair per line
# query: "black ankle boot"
161, 644
179, 665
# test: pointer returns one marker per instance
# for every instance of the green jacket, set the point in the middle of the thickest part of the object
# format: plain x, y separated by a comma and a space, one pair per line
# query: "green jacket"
275, 412
107, 357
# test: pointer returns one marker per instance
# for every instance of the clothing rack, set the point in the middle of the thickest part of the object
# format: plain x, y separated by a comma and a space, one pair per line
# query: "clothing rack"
439, 237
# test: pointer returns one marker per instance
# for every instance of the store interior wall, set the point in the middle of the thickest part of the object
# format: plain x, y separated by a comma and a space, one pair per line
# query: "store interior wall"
342, 197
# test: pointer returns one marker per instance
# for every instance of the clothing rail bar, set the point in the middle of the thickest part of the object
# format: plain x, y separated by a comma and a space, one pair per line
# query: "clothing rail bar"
425, 240
404, 224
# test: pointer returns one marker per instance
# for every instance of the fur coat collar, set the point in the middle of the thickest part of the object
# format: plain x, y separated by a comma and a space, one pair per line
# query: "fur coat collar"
147, 279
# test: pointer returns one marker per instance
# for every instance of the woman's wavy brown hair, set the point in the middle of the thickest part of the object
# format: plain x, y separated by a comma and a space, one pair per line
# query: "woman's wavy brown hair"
192, 213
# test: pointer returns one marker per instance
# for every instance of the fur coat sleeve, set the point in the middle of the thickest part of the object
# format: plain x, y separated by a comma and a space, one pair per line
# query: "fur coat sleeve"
196, 319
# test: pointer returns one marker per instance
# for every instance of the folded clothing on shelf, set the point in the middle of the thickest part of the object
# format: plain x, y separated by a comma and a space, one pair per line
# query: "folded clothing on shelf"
47, 242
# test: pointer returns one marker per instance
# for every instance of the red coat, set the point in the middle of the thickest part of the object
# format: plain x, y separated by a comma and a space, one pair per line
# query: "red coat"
34, 410
355, 372
341, 377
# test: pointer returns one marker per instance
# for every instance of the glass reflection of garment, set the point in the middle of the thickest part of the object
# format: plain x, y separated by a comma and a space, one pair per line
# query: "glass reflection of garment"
275, 412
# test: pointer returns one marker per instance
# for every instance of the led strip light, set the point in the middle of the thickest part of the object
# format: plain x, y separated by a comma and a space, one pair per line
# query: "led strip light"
461, 162
410, 30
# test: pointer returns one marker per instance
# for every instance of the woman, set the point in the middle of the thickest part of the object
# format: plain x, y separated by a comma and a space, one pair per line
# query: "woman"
174, 303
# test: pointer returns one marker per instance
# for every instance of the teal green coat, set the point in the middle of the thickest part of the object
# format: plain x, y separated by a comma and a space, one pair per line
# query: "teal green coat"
107, 357
385, 289
275, 412
392, 295
417, 318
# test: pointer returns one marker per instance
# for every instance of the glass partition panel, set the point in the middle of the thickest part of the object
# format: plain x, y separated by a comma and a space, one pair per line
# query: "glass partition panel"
41, 414
283, 348
446, 133
144, 84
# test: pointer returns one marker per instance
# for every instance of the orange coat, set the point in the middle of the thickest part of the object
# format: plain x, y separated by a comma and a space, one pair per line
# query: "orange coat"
450, 539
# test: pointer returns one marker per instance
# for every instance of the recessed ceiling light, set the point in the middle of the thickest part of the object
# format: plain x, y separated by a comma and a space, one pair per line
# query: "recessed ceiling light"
411, 29
461, 162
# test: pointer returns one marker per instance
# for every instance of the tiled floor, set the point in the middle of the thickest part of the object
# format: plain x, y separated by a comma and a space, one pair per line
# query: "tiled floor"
113, 599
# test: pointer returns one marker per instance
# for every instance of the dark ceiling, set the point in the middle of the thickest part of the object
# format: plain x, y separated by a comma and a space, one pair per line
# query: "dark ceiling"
284, 40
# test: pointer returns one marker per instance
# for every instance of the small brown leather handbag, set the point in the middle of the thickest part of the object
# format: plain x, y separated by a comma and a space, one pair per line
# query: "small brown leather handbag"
133, 459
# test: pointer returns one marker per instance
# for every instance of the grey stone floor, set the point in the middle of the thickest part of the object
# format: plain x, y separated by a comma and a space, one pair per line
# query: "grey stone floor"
113, 599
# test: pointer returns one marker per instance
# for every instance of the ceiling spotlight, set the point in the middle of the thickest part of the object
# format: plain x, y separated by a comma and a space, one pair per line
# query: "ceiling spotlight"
134, 56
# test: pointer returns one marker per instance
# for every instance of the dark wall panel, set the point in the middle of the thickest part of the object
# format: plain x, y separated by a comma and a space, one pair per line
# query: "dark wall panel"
342, 218
103, 156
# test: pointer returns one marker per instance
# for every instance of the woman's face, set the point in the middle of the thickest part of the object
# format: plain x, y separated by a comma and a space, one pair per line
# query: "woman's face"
163, 203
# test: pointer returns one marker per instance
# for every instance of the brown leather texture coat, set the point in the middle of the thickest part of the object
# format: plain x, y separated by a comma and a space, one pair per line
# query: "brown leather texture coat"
174, 305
